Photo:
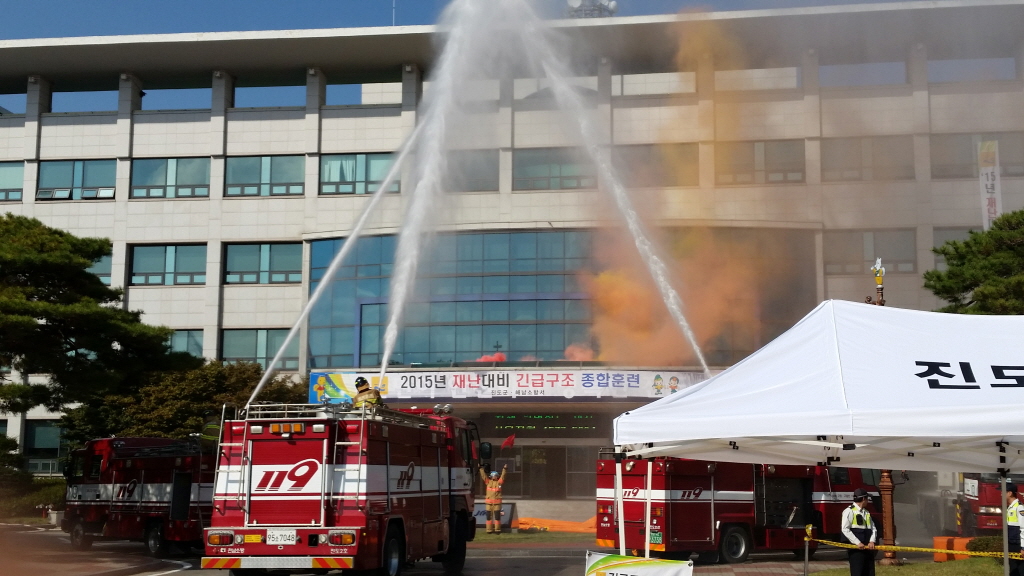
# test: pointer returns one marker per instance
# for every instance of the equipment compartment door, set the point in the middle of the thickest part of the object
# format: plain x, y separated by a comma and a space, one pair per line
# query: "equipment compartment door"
286, 482
692, 507
181, 495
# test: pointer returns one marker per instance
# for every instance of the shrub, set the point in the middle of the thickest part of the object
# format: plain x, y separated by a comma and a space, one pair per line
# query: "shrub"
986, 544
41, 491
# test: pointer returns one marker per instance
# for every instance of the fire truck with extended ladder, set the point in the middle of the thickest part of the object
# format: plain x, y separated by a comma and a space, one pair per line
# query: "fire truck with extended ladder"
965, 504
724, 509
325, 487
155, 490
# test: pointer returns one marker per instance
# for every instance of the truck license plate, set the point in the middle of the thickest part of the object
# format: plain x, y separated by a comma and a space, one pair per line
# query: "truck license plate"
655, 537
280, 537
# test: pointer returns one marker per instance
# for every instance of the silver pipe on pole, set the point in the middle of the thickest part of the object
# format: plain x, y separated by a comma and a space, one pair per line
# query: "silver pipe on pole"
618, 504
1006, 530
647, 511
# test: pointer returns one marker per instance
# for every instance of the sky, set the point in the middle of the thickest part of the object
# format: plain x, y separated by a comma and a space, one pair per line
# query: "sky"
54, 18
21, 19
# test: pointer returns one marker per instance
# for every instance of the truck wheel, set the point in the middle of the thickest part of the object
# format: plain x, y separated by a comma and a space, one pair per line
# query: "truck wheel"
155, 543
79, 539
455, 558
393, 554
735, 546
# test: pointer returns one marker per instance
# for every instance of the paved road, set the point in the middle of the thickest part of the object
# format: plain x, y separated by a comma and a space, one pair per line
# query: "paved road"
34, 552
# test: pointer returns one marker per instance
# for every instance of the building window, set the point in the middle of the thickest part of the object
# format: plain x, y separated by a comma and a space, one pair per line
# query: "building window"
658, 165
771, 162
263, 264
77, 180
855, 251
473, 170
101, 268
956, 155
12, 179
171, 178
188, 341
355, 173
861, 159
259, 346
515, 290
168, 265
265, 176
551, 169
3, 427
42, 446
942, 235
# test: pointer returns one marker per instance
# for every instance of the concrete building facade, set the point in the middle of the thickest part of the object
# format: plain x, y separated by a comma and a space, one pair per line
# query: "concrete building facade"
849, 133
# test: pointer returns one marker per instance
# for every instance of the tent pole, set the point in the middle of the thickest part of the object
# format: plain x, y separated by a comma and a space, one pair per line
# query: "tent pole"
618, 504
647, 512
1006, 541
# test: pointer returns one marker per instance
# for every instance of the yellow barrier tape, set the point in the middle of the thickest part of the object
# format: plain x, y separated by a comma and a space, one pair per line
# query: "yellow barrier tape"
883, 548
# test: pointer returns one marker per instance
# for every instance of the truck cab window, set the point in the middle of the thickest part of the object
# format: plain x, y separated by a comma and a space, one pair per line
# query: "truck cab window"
839, 475
77, 466
94, 465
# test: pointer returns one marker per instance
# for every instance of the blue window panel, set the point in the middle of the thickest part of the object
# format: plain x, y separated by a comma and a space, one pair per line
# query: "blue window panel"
523, 245
417, 313
322, 252
442, 312
577, 334
577, 310
523, 338
469, 285
496, 311
550, 245
551, 310
577, 244
342, 341
469, 266
523, 284
495, 285
343, 310
469, 247
550, 283
368, 288
523, 310
417, 339
551, 337
443, 286
442, 339
369, 340
496, 335
495, 247
468, 311
320, 342
371, 314
468, 339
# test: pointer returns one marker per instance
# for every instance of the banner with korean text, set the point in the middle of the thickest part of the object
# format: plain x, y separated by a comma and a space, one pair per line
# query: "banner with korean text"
991, 190
339, 386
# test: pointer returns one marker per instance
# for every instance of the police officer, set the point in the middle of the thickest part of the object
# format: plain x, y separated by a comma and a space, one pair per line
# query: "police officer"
209, 438
493, 500
1014, 516
860, 530
366, 395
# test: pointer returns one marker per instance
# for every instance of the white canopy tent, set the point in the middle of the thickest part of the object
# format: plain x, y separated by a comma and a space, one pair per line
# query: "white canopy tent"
855, 385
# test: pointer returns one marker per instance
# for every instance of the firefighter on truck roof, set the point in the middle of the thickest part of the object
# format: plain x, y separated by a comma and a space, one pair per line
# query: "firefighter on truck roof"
366, 395
209, 438
493, 500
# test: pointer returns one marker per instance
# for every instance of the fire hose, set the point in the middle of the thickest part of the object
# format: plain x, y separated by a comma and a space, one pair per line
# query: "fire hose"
810, 538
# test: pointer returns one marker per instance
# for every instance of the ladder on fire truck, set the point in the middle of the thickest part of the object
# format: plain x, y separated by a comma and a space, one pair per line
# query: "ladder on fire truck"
334, 413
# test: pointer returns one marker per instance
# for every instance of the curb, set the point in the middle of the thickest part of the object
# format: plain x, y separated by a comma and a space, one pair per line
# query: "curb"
148, 567
525, 552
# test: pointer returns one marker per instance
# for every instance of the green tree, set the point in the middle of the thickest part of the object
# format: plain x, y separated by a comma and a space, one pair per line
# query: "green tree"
13, 477
985, 273
172, 404
57, 318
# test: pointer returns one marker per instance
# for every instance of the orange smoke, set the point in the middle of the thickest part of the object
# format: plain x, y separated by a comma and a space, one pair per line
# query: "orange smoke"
579, 353
718, 279
496, 357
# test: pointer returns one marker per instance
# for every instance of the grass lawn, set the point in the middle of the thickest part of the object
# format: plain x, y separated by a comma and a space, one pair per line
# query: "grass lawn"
30, 520
969, 567
538, 537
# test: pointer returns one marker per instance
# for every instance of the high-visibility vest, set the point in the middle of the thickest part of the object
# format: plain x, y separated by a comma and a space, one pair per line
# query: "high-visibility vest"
860, 524
211, 432
370, 396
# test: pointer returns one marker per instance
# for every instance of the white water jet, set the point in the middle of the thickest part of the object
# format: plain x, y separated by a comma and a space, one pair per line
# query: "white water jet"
475, 25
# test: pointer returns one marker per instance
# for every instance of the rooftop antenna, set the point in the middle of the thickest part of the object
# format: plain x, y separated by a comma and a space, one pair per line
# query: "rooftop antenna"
592, 8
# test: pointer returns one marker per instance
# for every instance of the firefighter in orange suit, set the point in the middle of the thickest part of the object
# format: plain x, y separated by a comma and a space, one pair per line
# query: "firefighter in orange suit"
365, 394
493, 500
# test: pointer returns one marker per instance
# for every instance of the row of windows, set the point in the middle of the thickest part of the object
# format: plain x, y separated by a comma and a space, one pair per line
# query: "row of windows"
736, 163
183, 264
259, 345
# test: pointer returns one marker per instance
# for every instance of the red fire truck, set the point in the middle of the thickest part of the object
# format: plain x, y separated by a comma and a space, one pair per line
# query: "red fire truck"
723, 509
324, 487
155, 490
965, 504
